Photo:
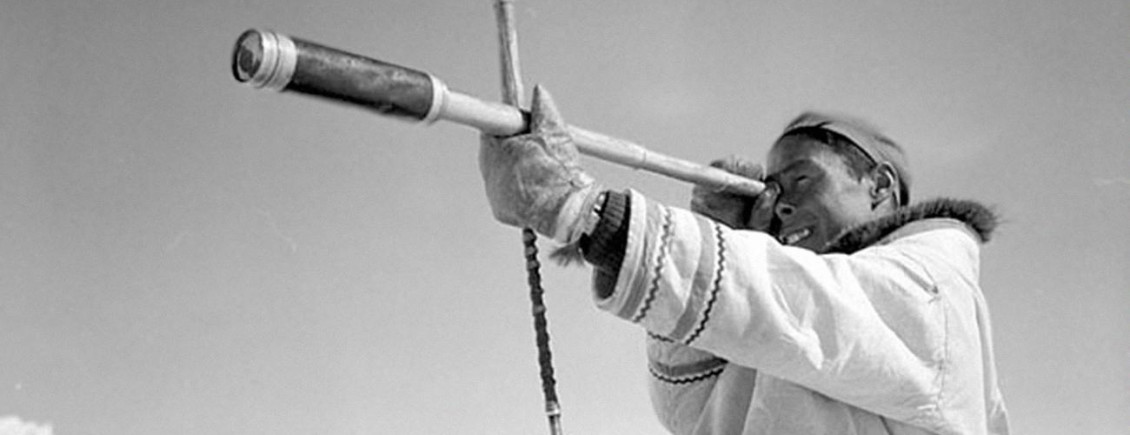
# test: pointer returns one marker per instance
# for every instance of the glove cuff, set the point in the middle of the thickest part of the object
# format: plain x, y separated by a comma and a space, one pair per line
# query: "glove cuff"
578, 215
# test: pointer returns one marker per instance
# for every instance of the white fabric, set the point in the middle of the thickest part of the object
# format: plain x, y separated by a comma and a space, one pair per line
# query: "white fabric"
753, 337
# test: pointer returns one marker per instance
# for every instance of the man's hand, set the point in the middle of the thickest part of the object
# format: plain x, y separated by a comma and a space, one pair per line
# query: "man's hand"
734, 210
535, 180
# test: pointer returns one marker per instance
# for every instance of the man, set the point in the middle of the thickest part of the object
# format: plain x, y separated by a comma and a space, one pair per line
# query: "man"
827, 305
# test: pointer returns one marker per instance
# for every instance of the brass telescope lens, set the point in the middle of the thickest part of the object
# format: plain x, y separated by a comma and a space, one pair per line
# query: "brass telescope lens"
248, 56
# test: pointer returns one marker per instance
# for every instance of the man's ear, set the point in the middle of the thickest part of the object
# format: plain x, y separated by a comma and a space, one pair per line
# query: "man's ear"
885, 185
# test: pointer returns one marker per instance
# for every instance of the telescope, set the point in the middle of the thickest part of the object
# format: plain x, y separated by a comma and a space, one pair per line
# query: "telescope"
270, 60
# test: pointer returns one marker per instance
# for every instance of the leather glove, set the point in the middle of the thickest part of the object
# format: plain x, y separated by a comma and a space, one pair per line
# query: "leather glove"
736, 210
535, 180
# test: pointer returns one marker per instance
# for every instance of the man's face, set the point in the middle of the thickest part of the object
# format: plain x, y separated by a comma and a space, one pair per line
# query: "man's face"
819, 197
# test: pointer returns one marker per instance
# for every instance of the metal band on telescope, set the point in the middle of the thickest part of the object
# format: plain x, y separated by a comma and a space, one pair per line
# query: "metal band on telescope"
439, 98
277, 59
287, 60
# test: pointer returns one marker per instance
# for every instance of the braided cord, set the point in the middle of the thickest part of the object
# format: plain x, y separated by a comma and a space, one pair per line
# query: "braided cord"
541, 329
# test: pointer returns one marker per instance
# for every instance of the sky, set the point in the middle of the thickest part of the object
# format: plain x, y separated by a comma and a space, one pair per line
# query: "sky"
182, 254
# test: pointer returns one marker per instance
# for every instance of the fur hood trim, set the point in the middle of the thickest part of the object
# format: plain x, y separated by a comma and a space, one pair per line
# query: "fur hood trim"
978, 218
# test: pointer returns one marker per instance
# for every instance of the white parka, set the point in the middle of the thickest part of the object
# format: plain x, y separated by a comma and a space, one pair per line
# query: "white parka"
745, 336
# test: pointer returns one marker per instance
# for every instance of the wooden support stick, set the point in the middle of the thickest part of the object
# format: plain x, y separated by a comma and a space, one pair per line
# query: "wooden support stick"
508, 53
512, 95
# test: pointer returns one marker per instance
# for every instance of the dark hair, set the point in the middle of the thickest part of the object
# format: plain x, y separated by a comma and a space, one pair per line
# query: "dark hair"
858, 164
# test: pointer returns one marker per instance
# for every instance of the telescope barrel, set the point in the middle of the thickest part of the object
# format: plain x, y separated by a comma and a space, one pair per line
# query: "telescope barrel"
277, 62
265, 59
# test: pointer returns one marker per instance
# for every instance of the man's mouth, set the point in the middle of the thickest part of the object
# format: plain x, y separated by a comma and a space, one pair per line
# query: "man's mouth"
795, 237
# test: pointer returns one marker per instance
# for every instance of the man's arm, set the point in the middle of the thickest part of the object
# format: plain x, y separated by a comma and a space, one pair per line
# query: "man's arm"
682, 378
788, 312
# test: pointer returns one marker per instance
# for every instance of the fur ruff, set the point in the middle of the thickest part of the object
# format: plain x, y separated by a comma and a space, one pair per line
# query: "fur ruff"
979, 218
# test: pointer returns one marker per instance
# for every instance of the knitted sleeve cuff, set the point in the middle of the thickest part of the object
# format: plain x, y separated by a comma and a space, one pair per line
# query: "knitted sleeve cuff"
604, 248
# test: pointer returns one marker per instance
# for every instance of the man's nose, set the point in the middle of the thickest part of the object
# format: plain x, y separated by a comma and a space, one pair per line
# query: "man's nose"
785, 210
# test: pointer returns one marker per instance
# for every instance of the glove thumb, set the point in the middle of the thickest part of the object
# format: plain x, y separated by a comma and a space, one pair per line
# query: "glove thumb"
543, 112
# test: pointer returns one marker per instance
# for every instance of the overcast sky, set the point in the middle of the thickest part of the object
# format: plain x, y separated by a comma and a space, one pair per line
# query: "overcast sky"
180, 254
